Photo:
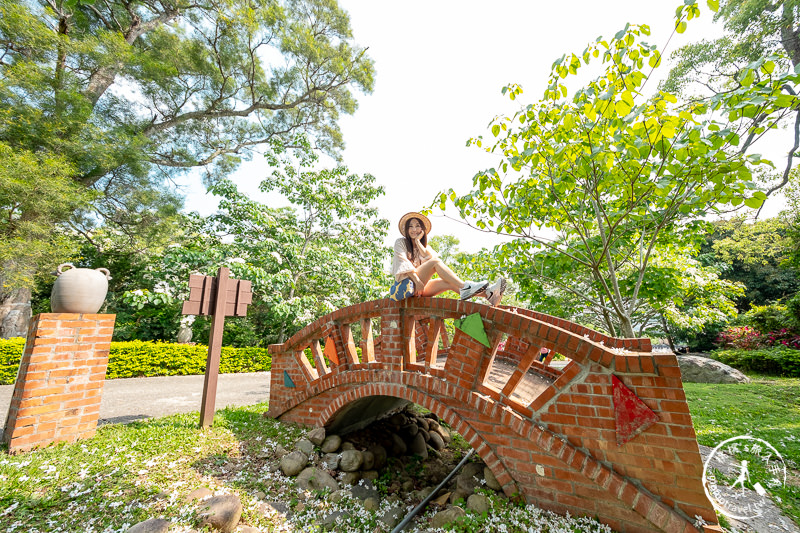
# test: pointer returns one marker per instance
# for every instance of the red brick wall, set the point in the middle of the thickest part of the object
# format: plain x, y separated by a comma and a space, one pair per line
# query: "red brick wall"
560, 451
60, 381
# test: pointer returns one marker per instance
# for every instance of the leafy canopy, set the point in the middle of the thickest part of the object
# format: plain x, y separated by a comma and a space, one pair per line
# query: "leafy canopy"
598, 180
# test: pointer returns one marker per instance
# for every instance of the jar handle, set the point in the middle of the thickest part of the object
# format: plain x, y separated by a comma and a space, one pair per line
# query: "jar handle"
105, 271
62, 265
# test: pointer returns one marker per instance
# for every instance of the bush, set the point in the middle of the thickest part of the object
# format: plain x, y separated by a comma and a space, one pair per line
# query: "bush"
740, 337
778, 360
145, 359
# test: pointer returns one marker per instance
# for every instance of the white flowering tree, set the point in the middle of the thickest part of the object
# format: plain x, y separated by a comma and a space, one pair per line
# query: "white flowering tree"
324, 252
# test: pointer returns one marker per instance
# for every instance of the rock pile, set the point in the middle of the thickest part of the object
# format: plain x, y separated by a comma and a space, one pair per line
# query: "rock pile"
405, 455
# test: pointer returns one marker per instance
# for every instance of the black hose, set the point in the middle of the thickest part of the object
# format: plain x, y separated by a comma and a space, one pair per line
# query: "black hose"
425, 502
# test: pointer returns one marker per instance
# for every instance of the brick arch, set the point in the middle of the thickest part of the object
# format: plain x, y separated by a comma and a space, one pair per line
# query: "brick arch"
558, 448
460, 424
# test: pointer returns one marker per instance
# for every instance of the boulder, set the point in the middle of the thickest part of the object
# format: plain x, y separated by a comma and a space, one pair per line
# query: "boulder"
331, 443
379, 452
447, 516
316, 436
198, 494
391, 516
418, 446
699, 369
364, 490
368, 460
221, 512
491, 480
152, 525
351, 460
293, 463
329, 522
478, 503
436, 441
315, 479
331, 461
305, 446
350, 478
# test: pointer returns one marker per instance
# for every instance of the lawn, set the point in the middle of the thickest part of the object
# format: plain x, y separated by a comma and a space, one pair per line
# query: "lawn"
767, 408
132, 472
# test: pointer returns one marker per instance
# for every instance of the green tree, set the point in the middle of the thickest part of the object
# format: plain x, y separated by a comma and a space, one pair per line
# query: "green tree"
754, 29
756, 254
591, 186
127, 93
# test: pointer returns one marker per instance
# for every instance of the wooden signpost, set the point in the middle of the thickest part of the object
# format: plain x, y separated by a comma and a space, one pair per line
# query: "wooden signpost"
218, 297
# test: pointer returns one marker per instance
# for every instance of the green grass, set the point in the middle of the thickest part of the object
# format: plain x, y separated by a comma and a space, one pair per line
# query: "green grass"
768, 408
129, 473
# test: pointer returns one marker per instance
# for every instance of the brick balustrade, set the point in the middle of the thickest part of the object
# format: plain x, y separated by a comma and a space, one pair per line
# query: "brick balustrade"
558, 450
60, 381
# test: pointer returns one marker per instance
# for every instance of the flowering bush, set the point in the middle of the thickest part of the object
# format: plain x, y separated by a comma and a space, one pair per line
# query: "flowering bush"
741, 337
783, 337
778, 360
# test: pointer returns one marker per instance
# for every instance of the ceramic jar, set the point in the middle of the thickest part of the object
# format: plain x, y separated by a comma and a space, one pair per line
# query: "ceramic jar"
79, 290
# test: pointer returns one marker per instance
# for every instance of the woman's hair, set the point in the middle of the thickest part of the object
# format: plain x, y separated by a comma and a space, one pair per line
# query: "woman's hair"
410, 248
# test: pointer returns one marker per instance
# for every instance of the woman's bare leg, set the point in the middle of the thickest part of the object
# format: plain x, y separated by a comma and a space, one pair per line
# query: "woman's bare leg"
449, 279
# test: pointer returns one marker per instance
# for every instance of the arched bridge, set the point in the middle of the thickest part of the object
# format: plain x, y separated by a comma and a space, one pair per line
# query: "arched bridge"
608, 435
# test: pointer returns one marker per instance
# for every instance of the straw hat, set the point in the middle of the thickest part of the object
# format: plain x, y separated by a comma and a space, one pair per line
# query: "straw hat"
420, 216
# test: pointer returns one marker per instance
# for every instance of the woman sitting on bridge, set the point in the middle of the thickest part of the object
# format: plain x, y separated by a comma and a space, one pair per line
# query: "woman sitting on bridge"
415, 263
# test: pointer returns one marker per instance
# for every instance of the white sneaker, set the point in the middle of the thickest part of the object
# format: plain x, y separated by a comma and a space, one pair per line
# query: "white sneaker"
473, 288
495, 293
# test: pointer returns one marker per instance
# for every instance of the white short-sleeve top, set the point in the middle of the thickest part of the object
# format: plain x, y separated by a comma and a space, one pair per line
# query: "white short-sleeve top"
402, 266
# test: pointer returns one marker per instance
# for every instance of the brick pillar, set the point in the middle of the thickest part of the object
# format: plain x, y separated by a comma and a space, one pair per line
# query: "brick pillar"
60, 380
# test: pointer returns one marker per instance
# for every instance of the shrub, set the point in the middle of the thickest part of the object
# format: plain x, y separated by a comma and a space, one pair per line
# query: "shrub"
741, 337
784, 337
144, 359
778, 360
772, 317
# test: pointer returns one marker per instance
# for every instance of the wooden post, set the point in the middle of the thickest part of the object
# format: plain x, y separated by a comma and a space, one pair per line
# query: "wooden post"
218, 297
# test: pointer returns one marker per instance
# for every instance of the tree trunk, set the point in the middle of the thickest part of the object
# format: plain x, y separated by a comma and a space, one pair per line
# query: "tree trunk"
15, 313
668, 334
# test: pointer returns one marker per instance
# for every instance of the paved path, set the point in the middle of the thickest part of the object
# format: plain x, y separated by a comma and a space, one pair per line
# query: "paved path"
126, 400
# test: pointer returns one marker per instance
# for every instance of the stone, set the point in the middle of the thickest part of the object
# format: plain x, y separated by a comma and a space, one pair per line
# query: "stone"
316, 436
399, 446
259, 495
445, 433
699, 369
418, 446
280, 451
491, 480
331, 444
337, 496
364, 490
409, 430
348, 446
351, 460
293, 463
391, 516
329, 522
368, 462
447, 516
248, 529
433, 425
152, 525
459, 495
379, 452
398, 420
314, 479
424, 423
274, 507
436, 441
369, 475
478, 503
331, 461
305, 446
350, 478
198, 494
408, 485
371, 504
221, 512
425, 435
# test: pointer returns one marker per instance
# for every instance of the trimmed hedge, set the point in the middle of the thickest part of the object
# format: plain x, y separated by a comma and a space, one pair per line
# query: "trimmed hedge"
144, 359
777, 360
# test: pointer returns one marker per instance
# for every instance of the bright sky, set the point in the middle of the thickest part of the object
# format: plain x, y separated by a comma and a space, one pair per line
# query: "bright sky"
440, 67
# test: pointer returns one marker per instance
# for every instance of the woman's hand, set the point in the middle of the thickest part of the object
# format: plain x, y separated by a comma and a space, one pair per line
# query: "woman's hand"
423, 251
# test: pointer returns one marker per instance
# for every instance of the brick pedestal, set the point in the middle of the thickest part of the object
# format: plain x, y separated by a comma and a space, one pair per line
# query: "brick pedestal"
60, 381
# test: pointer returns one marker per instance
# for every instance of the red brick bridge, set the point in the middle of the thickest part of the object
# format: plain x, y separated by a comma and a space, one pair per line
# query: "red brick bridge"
609, 435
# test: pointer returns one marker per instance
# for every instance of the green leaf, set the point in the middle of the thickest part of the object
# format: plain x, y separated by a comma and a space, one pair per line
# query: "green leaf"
713, 5
680, 26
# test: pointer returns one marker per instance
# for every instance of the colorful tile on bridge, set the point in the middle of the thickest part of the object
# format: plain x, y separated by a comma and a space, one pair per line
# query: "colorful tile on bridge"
219, 297
631, 414
472, 325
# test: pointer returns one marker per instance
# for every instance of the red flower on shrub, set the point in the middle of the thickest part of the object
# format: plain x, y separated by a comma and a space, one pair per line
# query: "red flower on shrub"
742, 337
